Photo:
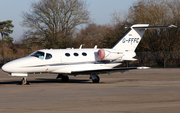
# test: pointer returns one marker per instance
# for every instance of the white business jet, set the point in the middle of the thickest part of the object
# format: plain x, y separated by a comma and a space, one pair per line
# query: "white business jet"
80, 61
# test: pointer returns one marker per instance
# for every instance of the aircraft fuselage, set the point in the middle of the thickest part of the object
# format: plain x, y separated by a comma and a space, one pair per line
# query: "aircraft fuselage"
59, 61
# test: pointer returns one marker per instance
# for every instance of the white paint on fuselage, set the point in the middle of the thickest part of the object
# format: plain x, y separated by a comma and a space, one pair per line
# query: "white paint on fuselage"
59, 63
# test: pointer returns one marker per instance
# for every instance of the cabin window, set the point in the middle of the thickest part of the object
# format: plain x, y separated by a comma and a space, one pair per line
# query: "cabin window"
48, 56
76, 54
38, 54
67, 54
84, 54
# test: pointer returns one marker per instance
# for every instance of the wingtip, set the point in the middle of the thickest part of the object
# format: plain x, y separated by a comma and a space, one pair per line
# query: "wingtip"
143, 67
173, 26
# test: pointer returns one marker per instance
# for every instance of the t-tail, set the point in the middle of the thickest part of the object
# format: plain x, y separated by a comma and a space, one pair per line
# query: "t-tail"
130, 40
124, 48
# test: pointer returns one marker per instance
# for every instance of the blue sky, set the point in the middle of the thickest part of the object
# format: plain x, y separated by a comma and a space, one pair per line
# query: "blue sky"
100, 11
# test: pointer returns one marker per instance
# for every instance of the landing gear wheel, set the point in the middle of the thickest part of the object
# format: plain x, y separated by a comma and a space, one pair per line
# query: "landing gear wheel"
95, 78
65, 78
59, 76
24, 81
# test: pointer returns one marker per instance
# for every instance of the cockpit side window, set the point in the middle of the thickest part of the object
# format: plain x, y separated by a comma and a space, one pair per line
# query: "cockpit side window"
38, 54
48, 56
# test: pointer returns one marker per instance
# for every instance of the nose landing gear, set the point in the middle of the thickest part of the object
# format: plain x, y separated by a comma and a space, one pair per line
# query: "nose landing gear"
24, 81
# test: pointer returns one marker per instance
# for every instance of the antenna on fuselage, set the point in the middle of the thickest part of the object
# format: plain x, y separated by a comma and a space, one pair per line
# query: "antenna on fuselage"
80, 46
95, 47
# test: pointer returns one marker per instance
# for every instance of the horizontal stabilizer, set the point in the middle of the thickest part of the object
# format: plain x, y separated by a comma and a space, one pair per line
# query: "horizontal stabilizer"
151, 27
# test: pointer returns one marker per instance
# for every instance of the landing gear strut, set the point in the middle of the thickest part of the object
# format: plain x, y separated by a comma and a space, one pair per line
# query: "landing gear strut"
24, 81
64, 78
95, 78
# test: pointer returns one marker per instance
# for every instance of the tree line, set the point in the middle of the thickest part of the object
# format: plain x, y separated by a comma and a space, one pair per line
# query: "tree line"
57, 24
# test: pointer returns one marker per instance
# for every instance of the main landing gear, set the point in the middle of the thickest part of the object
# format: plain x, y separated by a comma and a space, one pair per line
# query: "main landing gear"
24, 81
95, 78
64, 78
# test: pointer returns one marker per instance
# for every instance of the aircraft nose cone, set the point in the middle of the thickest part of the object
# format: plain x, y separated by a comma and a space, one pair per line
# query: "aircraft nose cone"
5, 68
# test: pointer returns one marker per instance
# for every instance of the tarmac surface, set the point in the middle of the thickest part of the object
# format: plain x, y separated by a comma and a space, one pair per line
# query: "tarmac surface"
137, 91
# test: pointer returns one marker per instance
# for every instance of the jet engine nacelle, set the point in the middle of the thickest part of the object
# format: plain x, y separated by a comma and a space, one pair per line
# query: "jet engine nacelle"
107, 54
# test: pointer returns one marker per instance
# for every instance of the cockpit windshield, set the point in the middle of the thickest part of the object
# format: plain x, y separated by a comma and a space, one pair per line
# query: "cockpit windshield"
38, 54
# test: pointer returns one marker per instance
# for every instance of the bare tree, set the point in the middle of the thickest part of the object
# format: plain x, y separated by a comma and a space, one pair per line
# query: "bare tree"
155, 12
119, 17
91, 35
53, 21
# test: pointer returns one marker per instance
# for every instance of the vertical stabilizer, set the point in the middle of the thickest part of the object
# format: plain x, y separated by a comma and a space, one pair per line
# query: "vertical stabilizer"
130, 40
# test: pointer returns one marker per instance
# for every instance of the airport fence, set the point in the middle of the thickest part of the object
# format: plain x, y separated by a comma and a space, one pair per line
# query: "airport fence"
149, 59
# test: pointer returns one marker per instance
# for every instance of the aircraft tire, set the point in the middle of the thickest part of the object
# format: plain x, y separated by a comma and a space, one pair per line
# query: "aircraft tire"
65, 78
96, 80
24, 81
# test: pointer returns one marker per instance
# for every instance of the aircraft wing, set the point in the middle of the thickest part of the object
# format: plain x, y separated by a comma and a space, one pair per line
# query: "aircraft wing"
101, 71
